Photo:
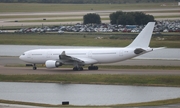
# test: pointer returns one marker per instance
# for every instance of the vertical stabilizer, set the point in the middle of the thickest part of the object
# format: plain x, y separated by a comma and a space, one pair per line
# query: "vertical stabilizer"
144, 37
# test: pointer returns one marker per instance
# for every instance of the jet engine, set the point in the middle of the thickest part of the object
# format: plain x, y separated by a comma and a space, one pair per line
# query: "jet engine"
141, 51
53, 64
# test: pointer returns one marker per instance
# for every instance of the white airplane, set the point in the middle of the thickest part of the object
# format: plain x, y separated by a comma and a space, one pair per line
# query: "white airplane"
54, 58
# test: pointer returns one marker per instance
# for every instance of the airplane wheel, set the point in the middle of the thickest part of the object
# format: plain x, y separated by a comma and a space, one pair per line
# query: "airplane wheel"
81, 68
90, 68
93, 68
77, 69
34, 68
96, 67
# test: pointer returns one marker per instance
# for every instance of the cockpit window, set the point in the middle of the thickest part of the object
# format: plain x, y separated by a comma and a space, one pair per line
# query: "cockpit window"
23, 54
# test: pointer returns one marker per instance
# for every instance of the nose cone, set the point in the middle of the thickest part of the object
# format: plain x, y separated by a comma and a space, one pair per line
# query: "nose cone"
22, 57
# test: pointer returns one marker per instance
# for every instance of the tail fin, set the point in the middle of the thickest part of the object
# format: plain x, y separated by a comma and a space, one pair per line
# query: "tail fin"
144, 37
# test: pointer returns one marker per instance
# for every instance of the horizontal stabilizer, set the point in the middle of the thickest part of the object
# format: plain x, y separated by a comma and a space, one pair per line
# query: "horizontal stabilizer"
159, 48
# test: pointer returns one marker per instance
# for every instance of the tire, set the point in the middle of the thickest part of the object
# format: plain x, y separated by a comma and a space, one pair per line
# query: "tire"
34, 68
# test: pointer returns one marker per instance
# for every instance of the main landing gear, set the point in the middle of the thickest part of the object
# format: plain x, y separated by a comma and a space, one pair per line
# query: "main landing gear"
77, 68
93, 67
33, 65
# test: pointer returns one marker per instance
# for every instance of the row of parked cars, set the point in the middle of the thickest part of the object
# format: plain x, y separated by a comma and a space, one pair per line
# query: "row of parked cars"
82, 28
3, 31
161, 26
168, 26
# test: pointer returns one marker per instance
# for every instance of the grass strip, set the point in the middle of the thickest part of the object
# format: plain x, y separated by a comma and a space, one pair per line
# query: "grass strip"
141, 80
109, 66
139, 67
25, 103
83, 39
57, 20
174, 16
43, 7
52, 20
165, 11
153, 103
38, 16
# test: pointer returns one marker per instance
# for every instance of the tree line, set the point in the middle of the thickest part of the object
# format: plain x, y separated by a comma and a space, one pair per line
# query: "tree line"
119, 17
87, 1
130, 18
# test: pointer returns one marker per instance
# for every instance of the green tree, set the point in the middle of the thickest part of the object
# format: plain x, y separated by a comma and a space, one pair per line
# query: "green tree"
91, 18
126, 19
115, 16
130, 18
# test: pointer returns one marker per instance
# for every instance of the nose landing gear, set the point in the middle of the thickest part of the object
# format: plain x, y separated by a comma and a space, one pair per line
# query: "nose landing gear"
34, 67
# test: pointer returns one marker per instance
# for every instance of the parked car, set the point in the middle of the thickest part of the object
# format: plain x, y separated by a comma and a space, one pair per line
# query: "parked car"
60, 31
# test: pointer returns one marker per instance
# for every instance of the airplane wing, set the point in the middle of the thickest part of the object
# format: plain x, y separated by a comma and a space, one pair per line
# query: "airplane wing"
80, 60
65, 57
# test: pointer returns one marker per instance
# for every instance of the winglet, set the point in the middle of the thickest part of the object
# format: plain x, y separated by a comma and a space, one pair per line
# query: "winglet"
144, 37
63, 53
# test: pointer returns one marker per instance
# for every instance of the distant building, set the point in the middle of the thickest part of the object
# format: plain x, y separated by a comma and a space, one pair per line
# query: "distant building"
178, 3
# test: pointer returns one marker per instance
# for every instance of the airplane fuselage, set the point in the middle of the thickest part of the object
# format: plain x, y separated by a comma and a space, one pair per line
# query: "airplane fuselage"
53, 58
90, 56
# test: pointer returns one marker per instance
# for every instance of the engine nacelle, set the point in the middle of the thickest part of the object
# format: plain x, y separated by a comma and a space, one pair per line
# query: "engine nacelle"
139, 50
53, 64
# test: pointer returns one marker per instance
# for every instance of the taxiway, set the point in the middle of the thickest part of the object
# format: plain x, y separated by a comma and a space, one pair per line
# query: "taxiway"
28, 70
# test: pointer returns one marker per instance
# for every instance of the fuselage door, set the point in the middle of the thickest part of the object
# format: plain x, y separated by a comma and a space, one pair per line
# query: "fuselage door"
90, 54
121, 53
48, 54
